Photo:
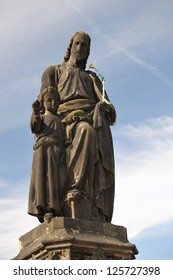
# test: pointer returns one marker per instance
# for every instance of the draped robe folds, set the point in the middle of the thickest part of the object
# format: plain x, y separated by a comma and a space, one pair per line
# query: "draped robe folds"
48, 178
90, 156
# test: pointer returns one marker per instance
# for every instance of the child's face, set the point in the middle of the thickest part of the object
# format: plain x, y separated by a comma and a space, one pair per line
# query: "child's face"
51, 102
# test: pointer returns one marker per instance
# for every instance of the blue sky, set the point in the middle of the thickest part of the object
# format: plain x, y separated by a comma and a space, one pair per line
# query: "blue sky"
132, 46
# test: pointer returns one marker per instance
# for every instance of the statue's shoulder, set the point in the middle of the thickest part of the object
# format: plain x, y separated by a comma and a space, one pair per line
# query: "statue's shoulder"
50, 76
94, 77
51, 73
52, 68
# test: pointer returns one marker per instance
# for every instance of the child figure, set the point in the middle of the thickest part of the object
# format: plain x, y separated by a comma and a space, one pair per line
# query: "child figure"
47, 186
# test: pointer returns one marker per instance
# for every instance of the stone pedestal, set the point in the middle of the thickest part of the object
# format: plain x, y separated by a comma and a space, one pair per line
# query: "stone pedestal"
76, 239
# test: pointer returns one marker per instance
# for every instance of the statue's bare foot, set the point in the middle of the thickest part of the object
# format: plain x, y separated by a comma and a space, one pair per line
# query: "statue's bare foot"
48, 217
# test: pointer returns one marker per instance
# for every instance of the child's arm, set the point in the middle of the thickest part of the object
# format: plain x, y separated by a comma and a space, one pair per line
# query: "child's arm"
36, 117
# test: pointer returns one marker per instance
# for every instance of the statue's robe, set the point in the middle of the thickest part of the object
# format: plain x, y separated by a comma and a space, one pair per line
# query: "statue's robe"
90, 156
48, 178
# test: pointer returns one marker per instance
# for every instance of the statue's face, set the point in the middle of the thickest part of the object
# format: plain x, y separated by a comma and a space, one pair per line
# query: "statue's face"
51, 102
79, 49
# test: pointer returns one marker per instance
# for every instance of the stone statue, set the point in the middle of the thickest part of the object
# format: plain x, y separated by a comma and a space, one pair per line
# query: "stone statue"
48, 179
82, 178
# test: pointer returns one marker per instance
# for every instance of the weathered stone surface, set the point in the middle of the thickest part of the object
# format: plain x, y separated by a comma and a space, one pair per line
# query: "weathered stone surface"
73, 175
73, 172
75, 239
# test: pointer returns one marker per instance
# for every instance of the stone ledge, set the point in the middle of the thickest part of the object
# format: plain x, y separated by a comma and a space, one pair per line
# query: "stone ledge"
76, 237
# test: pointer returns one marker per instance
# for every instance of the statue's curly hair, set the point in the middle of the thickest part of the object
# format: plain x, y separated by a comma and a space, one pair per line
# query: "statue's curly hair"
48, 89
68, 50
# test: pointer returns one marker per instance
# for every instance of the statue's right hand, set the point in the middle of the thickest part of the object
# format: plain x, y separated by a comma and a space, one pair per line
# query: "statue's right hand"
36, 106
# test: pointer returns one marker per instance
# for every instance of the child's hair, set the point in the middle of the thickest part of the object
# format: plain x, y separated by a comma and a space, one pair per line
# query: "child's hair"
49, 89
41, 96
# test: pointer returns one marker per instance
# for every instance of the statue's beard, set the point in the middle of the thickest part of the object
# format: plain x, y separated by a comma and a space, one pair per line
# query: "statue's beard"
79, 61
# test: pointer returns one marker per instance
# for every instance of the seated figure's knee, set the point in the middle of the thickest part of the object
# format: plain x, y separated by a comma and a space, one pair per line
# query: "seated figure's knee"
85, 127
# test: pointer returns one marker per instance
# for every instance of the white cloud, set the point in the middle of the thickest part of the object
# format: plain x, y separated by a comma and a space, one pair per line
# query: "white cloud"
14, 222
144, 175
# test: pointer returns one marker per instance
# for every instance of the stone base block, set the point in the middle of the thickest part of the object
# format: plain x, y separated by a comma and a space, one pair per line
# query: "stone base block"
76, 239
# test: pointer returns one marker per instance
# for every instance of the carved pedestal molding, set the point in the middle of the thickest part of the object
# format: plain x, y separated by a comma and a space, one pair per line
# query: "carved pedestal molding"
76, 239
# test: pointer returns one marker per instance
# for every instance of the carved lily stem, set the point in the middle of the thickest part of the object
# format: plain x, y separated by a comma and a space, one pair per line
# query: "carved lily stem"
73, 214
103, 94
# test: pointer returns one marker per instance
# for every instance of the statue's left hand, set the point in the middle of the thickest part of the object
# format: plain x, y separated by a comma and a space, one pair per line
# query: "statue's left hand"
108, 111
104, 107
